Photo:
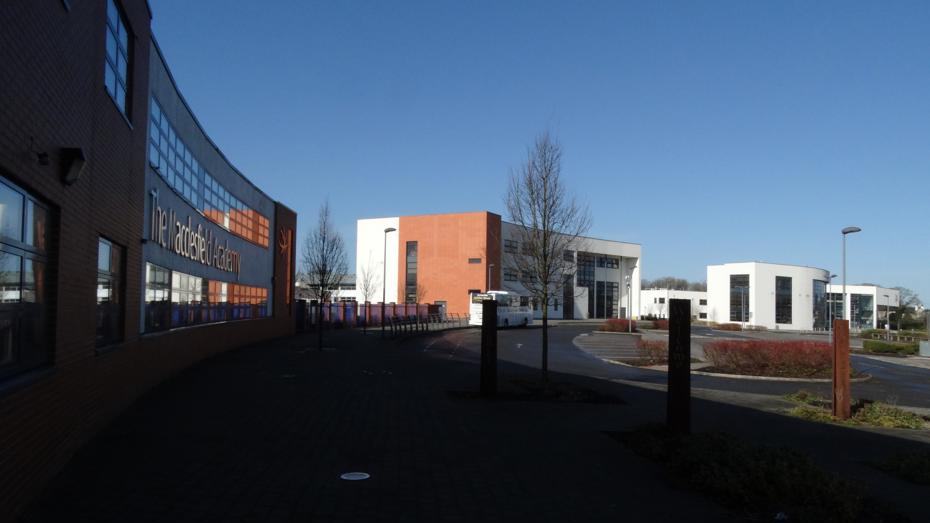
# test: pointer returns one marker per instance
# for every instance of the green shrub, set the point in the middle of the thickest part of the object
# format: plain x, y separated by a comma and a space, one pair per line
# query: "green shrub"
804, 397
760, 480
864, 412
913, 466
878, 414
886, 347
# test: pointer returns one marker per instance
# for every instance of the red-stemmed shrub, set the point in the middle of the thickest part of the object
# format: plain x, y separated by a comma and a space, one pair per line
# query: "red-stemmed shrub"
617, 325
653, 352
661, 324
728, 327
791, 358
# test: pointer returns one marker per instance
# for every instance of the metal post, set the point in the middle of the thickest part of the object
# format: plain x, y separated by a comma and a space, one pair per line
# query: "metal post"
844, 276
384, 278
678, 409
841, 369
629, 303
845, 231
489, 348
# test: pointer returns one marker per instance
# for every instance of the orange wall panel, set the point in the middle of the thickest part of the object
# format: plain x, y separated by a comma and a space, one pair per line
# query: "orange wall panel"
445, 242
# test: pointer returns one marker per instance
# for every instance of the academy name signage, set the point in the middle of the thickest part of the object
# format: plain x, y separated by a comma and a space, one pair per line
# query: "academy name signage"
196, 242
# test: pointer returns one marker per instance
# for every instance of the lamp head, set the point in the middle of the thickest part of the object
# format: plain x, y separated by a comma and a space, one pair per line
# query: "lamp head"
850, 230
389, 229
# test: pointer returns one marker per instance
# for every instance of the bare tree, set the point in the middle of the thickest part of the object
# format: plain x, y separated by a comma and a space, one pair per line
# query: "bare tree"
905, 312
324, 263
369, 281
421, 293
548, 223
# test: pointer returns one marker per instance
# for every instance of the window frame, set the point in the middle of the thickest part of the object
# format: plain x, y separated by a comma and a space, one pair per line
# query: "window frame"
30, 349
783, 300
119, 277
125, 51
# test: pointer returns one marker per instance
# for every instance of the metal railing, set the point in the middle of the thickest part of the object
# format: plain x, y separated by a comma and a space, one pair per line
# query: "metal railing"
400, 318
431, 322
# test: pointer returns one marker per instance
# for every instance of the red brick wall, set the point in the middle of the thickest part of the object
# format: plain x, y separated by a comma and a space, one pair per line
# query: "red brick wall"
53, 93
445, 243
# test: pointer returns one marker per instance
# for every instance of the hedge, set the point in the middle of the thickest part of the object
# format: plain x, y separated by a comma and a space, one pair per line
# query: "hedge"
886, 347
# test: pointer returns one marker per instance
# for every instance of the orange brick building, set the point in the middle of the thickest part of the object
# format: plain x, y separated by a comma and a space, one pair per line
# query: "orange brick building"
442, 258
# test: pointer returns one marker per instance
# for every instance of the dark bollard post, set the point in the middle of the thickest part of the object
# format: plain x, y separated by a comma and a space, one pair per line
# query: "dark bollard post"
489, 348
678, 414
841, 369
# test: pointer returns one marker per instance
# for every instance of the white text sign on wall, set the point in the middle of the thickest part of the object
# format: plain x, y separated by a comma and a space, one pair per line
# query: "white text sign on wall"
198, 244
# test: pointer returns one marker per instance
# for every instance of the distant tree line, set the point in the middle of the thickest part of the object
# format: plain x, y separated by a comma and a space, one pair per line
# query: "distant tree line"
671, 282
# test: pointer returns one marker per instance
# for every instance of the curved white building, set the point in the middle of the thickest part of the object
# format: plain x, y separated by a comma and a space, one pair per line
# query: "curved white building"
770, 295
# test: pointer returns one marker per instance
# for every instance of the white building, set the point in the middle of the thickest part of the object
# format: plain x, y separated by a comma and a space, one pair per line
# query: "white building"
345, 291
867, 306
654, 302
606, 283
770, 295
791, 297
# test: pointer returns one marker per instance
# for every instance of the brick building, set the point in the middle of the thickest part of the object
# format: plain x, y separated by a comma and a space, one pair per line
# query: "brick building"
443, 258
130, 248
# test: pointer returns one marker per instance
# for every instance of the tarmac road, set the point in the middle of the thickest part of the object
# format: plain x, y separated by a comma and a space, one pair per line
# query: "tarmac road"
891, 382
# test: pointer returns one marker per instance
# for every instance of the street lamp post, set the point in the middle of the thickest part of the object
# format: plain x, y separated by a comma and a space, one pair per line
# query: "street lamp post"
629, 306
845, 231
384, 279
888, 315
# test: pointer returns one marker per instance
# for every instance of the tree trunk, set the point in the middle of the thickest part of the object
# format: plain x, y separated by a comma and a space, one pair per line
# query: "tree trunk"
319, 326
545, 344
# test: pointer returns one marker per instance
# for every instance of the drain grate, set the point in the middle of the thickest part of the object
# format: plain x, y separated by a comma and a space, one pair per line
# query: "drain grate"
354, 476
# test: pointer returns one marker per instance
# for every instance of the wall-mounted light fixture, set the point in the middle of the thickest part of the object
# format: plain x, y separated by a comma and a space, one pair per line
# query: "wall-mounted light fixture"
73, 161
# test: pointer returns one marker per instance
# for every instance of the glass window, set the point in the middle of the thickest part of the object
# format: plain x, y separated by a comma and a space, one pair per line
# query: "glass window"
702, 302
510, 275
861, 311
23, 309
11, 213
11, 277
510, 246
820, 305
474, 261
568, 256
33, 281
109, 293
157, 296
410, 286
186, 299
175, 162
739, 297
116, 69
783, 299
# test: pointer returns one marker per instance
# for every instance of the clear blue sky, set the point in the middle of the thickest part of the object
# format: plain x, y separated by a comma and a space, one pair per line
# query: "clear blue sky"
706, 131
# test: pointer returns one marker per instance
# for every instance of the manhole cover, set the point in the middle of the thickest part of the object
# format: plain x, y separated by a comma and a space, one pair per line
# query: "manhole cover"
354, 476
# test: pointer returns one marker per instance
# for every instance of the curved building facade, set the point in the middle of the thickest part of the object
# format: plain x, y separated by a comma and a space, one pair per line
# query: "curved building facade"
130, 247
770, 295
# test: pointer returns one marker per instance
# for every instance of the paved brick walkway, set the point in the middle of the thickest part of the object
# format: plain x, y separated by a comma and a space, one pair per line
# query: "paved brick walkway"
263, 433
